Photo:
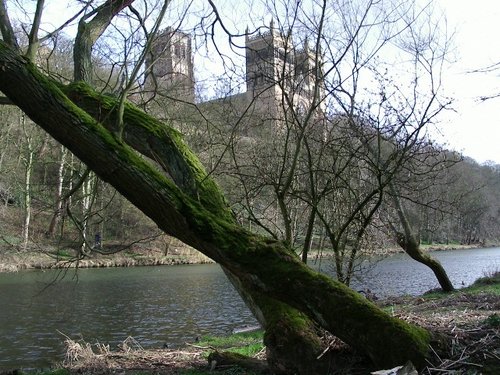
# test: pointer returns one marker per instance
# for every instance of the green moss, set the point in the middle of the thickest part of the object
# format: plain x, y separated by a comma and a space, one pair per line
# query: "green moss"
247, 344
201, 186
237, 339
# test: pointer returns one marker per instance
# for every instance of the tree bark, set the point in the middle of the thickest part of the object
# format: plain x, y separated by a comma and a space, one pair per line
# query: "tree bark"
262, 266
59, 201
89, 32
28, 156
411, 245
292, 343
6, 27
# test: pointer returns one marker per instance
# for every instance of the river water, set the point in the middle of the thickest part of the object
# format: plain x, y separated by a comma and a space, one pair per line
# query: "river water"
168, 304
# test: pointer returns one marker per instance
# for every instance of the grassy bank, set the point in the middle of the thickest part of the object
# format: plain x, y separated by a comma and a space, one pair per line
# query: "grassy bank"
468, 318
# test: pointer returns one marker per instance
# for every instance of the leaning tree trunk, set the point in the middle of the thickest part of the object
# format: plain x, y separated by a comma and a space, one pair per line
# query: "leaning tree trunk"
262, 266
411, 245
291, 340
292, 344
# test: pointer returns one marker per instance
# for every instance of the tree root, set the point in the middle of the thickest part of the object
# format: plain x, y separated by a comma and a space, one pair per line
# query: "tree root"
218, 360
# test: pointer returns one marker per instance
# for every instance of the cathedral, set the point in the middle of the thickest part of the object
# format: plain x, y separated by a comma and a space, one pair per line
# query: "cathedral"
169, 66
278, 75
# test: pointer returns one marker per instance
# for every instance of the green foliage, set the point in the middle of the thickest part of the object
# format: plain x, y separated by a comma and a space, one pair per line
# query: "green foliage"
247, 343
493, 320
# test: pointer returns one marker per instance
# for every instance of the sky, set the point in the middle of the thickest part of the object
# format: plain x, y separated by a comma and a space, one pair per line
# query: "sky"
474, 127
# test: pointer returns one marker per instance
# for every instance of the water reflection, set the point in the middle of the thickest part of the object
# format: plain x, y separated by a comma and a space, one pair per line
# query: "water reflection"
167, 304
399, 275
155, 305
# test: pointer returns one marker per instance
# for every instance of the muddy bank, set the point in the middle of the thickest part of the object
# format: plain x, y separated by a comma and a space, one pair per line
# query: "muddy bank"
13, 259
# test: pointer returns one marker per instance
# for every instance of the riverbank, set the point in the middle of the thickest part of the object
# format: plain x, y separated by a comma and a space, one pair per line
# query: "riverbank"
50, 256
15, 258
391, 250
469, 318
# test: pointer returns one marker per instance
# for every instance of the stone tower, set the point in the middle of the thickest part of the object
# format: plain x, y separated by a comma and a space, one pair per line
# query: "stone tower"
169, 66
274, 65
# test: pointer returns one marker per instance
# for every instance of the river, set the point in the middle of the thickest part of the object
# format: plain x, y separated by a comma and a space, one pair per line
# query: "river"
168, 304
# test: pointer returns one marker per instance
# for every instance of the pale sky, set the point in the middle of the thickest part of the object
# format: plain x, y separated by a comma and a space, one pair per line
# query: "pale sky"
475, 127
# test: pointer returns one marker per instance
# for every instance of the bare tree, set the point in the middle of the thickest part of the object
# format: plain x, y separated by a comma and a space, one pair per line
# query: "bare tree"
341, 144
149, 164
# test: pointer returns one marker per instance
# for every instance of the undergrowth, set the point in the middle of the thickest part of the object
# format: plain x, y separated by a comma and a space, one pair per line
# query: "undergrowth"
247, 343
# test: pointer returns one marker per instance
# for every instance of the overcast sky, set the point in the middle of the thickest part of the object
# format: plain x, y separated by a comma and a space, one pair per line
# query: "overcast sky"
475, 127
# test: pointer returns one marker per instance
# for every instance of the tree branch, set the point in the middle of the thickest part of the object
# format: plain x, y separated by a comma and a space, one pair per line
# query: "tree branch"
89, 32
252, 259
6, 27
33, 42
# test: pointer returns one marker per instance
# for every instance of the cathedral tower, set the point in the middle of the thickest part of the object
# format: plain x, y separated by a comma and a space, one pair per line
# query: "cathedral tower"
276, 66
169, 65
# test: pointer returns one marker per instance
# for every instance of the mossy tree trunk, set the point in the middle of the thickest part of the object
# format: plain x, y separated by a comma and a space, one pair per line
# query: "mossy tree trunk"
292, 343
196, 213
409, 242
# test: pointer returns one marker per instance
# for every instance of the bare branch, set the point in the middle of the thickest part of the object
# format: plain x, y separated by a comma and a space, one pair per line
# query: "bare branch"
33, 41
6, 27
89, 32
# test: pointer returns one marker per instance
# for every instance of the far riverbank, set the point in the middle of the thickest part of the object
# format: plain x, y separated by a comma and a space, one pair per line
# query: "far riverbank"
14, 258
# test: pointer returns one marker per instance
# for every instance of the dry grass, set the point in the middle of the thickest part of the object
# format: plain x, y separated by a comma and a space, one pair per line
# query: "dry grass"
84, 357
13, 259
467, 322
